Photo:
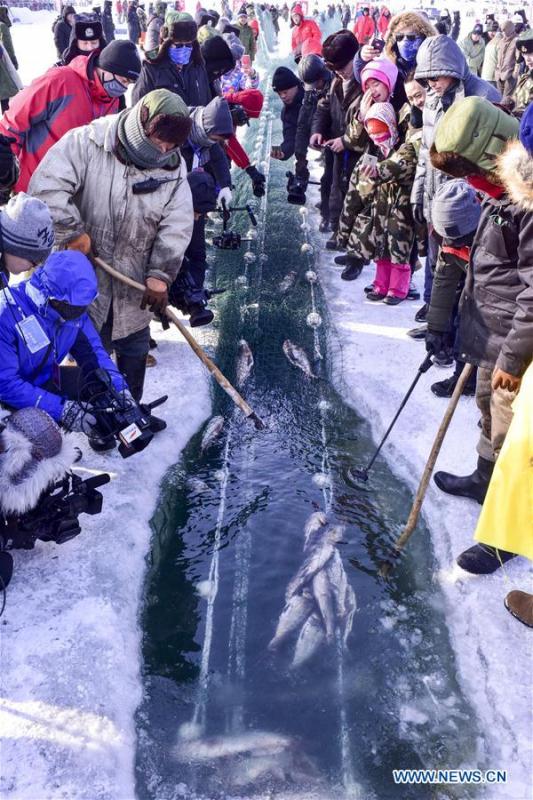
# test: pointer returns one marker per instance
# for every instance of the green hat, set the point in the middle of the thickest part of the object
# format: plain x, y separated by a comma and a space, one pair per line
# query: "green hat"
470, 136
206, 32
524, 42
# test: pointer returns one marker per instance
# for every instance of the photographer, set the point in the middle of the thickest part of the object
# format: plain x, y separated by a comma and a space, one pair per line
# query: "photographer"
41, 321
118, 188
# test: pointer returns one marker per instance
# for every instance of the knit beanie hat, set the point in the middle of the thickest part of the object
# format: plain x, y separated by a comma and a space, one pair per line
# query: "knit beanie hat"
234, 44
470, 136
86, 29
203, 190
380, 69
284, 78
217, 55
456, 209
121, 58
26, 228
526, 129
339, 48
159, 112
311, 69
181, 26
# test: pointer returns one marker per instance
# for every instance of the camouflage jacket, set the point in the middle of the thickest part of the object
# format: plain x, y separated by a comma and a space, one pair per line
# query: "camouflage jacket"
523, 94
376, 219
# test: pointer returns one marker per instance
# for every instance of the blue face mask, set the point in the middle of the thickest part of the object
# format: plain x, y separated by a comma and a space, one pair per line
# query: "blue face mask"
114, 88
180, 55
408, 49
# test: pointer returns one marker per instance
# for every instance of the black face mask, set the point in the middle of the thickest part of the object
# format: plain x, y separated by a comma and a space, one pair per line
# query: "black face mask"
67, 311
416, 117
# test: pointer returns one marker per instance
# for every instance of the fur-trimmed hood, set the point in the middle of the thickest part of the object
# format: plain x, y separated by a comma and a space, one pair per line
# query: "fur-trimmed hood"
515, 171
409, 19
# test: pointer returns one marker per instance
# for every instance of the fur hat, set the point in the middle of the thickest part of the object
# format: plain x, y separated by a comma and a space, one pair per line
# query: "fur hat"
339, 49
33, 455
456, 210
181, 26
87, 28
515, 170
470, 136
406, 19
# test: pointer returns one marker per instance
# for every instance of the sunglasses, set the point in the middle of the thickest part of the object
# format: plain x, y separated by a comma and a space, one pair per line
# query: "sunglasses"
411, 37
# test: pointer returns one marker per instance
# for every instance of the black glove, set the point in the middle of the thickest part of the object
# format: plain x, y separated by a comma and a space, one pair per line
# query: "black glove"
8, 162
436, 342
258, 180
418, 213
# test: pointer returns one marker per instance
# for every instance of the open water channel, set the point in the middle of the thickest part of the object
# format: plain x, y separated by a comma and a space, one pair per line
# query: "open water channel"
225, 716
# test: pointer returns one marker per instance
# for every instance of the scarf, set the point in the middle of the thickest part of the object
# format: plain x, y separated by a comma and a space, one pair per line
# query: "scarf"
135, 145
386, 113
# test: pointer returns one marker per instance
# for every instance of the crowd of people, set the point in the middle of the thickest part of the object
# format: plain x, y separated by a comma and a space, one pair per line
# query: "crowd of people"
426, 148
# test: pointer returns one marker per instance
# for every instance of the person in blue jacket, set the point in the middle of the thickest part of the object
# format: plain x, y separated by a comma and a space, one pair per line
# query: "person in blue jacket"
42, 320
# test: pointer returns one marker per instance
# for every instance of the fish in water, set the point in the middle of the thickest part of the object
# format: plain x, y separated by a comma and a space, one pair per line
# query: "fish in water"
338, 583
197, 486
297, 357
311, 638
350, 604
297, 609
245, 362
323, 595
317, 558
287, 282
315, 522
216, 747
212, 431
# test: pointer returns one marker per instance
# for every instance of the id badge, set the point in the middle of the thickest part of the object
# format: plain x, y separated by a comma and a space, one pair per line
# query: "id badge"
32, 334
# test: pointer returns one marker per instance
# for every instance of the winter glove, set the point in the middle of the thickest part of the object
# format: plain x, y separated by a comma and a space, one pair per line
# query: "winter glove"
418, 213
224, 194
258, 181
436, 342
76, 418
155, 295
82, 243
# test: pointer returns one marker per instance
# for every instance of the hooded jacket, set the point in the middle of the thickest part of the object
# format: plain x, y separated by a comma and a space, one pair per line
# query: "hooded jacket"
200, 150
62, 30
364, 28
190, 81
25, 373
440, 55
88, 189
306, 37
61, 99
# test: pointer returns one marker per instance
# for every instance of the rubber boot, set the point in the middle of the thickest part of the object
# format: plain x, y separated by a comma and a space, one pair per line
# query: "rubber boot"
134, 369
520, 605
481, 559
473, 486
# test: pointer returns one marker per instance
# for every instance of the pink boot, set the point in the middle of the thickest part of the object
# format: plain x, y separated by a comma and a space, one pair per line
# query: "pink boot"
400, 276
381, 280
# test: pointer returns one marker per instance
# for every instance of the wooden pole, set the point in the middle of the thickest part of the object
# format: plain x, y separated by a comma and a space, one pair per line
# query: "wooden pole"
412, 519
187, 335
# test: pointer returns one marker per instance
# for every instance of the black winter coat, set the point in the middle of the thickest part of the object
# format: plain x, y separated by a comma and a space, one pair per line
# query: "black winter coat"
289, 119
496, 312
334, 111
134, 26
108, 25
190, 82
62, 31
305, 120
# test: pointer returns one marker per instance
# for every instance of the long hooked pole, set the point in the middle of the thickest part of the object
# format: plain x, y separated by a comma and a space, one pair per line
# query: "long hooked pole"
412, 520
204, 358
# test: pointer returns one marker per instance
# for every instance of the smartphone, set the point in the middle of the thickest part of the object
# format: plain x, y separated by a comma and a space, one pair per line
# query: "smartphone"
246, 63
368, 160
377, 44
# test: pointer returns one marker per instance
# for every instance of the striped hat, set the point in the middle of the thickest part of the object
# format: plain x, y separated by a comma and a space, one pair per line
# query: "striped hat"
26, 228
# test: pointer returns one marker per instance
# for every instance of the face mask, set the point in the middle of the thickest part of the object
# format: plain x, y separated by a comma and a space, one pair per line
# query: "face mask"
114, 88
67, 312
180, 55
409, 48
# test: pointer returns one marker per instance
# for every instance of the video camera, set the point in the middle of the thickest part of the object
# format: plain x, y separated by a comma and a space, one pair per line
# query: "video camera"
118, 416
297, 187
228, 240
184, 294
239, 115
55, 517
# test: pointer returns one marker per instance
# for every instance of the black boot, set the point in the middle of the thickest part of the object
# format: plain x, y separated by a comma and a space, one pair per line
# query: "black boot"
422, 313
331, 243
445, 388
133, 370
473, 486
6, 569
481, 559
352, 270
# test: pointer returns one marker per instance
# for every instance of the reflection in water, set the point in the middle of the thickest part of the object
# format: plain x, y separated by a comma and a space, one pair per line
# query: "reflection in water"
223, 715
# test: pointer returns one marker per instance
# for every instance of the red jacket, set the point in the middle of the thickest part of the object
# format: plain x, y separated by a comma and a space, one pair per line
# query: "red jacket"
383, 22
254, 25
364, 29
39, 115
306, 38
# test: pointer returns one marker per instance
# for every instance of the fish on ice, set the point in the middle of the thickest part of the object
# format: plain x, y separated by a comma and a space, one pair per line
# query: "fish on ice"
297, 357
245, 362
211, 433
